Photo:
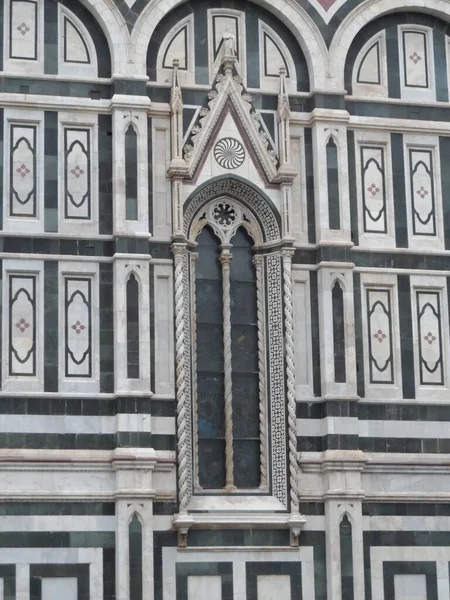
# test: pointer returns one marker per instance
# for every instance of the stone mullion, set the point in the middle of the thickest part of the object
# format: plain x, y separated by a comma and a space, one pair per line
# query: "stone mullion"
225, 259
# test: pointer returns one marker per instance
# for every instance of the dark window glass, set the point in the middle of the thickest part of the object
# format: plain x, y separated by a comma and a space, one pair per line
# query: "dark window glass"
338, 333
333, 185
244, 353
131, 207
135, 554
210, 384
345, 530
132, 328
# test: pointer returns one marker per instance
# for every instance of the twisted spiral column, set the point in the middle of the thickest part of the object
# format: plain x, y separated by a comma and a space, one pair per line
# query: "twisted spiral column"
179, 252
225, 260
258, 261
290, 377
194, 259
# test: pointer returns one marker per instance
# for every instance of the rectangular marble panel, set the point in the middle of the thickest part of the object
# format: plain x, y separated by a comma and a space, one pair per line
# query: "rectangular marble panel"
162, 206
77, 172
379, 335
374, 189
22, 325
55, 588
302, 330
78, 327
164, 372
422, 192
430, 337
415, 59
23, 29
204, 587
410, 587
23, 176
274, 587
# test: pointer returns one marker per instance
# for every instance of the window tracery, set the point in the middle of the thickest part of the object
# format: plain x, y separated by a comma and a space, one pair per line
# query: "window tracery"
229, 386
236, 219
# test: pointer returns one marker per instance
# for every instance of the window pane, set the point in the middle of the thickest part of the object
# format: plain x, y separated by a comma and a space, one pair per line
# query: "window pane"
131, 207
132, 328
210, 388
244, 350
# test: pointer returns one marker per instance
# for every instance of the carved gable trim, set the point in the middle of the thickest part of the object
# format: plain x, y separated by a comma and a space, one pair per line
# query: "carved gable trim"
229, 90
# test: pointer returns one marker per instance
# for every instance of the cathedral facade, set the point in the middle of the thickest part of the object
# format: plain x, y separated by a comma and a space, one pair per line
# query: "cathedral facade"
225, 267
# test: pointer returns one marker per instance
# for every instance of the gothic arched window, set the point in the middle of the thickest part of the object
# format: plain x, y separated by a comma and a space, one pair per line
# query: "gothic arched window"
234, 352
229, 384
227, 391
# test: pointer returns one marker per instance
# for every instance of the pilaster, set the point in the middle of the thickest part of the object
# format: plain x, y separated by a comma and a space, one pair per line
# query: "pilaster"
129, 111
331, 186
334, 323
137, 266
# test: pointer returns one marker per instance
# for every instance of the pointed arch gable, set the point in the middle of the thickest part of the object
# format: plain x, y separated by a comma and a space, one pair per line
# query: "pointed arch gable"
244, 192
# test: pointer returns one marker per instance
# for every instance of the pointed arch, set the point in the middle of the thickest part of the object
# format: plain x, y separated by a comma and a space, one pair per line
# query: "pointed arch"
132, 313
248, 195
178, 43
287, 11
131, 173
360, 16
346, 551
135, 531
338, 310
367, 73
107, 29
271, 43
334, 204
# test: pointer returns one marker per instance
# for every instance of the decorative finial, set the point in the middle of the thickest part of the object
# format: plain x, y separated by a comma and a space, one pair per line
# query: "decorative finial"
284, 110
176, 99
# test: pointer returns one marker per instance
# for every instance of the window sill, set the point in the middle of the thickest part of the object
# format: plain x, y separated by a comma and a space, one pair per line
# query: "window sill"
236, 520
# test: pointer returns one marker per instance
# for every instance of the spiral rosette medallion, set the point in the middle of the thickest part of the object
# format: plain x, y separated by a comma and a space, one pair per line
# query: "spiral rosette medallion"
229, 153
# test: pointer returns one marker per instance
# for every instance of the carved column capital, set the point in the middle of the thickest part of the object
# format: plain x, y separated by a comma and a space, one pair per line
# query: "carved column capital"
178, 249
287, 254
225, 259
258, 261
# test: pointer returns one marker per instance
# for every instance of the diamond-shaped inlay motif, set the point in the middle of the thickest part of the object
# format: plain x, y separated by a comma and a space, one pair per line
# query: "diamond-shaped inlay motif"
430, 338
77, 171
373, 189
23, 170
78, 327
22, 325
380, 336
415, 58
23, 28
422, 192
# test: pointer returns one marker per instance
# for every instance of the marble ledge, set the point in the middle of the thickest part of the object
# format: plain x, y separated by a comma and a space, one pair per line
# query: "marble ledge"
332, 460
373, 462
87, 460
328, 115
